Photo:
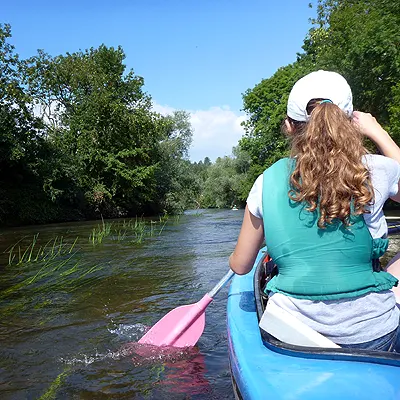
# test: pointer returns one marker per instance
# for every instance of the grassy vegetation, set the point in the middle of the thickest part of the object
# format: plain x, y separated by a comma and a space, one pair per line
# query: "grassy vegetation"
53, 249
62, 275
100, 232
36, 274
51, 392
133, 230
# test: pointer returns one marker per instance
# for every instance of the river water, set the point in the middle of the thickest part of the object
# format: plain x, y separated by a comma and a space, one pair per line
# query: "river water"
68, 320
67, 335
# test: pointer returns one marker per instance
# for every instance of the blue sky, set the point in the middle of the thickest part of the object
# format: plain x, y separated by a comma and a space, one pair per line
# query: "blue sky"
195, 55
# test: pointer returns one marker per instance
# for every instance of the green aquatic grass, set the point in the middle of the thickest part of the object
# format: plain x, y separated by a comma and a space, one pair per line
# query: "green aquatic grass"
61, 275
33, 253
51, 392
133, 230
100, 232
37, 272
162, 226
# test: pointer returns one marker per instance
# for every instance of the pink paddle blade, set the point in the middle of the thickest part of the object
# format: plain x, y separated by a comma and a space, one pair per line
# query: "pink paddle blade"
181, 327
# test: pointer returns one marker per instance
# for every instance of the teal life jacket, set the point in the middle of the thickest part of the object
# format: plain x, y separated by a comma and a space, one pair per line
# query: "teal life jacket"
314, 263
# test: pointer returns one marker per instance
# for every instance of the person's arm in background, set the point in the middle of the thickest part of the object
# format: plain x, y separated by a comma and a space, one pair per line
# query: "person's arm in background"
249, 242
371, 129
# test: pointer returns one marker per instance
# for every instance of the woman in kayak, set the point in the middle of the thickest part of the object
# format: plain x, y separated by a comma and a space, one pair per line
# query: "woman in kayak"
320, 214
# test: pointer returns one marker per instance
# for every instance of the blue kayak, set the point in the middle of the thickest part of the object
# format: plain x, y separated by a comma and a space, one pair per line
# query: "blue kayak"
262, 367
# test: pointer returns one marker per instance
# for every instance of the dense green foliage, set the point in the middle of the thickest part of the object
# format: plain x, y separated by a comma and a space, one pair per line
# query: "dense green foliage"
266, 108
79, 139
222, 184
21, 141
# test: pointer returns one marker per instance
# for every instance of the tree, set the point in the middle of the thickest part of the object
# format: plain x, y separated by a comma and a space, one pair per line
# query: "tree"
22, 145
223, 186
102, 120
360, 39
265, 106
207, 161
177, 186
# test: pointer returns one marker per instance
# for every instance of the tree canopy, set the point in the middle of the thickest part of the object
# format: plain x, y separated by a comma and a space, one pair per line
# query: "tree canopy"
79, 136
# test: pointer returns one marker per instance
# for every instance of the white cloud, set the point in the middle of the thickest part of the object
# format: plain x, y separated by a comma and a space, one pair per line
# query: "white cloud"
164, 110
216, 131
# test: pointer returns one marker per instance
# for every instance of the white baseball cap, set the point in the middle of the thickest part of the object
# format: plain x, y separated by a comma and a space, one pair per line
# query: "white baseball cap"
319, 85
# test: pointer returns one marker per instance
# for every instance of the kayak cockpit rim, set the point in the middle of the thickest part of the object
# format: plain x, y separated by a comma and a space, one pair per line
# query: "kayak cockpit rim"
273, 344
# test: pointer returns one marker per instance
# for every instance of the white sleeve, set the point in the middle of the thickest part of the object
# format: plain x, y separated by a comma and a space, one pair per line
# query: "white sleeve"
254, 200
394, 177
385, 174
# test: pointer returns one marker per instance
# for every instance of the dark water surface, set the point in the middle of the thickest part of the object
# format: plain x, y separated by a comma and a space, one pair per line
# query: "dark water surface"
66, 323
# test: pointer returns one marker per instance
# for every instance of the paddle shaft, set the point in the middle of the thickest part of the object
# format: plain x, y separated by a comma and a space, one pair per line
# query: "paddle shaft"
228, 276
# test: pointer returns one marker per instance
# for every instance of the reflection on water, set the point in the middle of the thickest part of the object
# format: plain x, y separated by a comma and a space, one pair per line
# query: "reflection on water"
68, 326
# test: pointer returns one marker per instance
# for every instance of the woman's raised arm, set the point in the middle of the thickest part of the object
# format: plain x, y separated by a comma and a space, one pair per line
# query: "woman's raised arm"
373, 130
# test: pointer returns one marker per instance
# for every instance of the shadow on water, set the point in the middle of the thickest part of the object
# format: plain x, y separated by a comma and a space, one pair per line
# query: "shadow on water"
65, 325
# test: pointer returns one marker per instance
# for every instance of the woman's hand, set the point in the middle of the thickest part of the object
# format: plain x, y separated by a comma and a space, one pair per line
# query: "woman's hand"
371, 129
368, 125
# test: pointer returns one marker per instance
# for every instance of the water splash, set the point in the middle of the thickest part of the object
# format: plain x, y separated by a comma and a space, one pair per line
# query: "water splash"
140, 354
85, 359
131, 332
149, 354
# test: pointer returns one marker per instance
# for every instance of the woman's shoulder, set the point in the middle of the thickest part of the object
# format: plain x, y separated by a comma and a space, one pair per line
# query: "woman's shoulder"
374, 161
385, 171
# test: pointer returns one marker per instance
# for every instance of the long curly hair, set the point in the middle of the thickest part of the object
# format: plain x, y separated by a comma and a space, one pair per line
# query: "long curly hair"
329, 175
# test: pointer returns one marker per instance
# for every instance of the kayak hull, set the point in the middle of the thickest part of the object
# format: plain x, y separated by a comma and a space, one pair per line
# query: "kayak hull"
263, 369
